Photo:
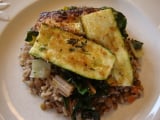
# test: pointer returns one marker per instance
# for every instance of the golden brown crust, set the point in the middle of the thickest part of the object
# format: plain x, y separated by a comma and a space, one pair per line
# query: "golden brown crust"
65, 19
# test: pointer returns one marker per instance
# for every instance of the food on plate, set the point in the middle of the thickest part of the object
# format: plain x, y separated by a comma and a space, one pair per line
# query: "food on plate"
81, 61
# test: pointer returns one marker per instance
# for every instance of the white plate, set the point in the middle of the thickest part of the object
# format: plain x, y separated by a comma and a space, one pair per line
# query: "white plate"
16, 103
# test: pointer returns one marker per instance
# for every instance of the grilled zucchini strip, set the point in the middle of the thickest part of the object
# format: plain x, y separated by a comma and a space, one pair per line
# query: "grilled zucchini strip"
101, 27
73, 53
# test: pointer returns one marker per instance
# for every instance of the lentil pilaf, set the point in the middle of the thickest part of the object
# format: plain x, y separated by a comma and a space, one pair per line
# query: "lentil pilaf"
71, 105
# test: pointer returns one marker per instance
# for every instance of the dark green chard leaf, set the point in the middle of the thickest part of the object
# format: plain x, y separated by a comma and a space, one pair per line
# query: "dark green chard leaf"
31, 35
121, 22
101, 87
87, 114
84, 100
137, 44
90, 114
78, 81
84, 107
66, 102
81, 87
136, 48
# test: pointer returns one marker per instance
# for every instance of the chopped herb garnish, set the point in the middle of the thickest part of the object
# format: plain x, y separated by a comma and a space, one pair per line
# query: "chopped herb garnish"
77, 44
72, 41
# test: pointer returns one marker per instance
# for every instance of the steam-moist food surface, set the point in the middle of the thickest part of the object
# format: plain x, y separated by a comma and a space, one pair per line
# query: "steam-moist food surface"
99, 95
